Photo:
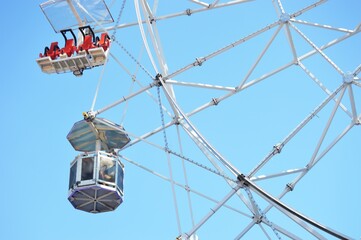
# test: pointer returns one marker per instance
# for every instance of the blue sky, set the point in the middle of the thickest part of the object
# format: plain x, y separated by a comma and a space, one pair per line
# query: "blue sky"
38, 111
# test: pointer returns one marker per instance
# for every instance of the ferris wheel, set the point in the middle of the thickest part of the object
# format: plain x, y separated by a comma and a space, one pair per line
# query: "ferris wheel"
220, 108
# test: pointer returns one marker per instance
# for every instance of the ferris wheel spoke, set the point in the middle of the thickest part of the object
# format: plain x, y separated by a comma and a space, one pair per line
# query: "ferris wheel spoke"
216, 101
298, 13
357, 84
321, 155
260, 56
278, 6
149, 134
290, 42
333, 143
357, 28
322, 86
200, 85
303, 57
283, 231
357, 70
278, 147
353, 103
245, 230
321, 26
214, 3
218, 170
213, 211
200, 3
184, 187
125, 98
264, 231
200, 61
332, 115
175, 202
317, 49
280, 174
187, 12
190, 206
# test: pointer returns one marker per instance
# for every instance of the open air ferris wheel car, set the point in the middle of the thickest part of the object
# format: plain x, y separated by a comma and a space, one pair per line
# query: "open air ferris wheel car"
77, 54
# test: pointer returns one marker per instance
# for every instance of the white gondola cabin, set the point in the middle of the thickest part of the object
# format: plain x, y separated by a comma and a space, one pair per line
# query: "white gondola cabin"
96, 182
96, 176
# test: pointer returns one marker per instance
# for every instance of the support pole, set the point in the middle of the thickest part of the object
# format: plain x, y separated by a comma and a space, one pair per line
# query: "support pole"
213, 211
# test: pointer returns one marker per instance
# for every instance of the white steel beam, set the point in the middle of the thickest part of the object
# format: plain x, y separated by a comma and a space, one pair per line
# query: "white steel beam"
332, 115
357, 70
283, 231
125, 98
199, 61
277, 3
199, 85
321, 155
295, 131
183, 13
260, 56
185, 187
352, 101
280, 174
291, 43
323, 87
317, 49
245, 230
213, 211
200, 3
264, 231
321, 26
298, 13
214, 3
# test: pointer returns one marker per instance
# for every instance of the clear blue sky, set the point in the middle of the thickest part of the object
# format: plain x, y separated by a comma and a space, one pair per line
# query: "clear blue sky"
38, 110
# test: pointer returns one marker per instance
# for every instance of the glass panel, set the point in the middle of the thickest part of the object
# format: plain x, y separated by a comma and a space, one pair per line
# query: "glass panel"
87, 168
120, 176
63, 14
107, 169
72, 177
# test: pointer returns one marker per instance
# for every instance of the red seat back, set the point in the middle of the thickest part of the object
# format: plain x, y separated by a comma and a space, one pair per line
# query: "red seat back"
69, 47
104, 41
87, 43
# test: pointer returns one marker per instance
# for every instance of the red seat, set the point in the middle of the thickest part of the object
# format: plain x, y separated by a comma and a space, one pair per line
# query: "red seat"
104, 41
69, 48
87, 44
52, 51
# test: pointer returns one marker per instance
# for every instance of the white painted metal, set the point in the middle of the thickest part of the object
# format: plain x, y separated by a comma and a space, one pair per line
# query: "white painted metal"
213, 211
151, 39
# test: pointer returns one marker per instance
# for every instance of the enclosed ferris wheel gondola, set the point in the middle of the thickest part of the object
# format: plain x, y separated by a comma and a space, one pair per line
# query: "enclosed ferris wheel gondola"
96, 175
